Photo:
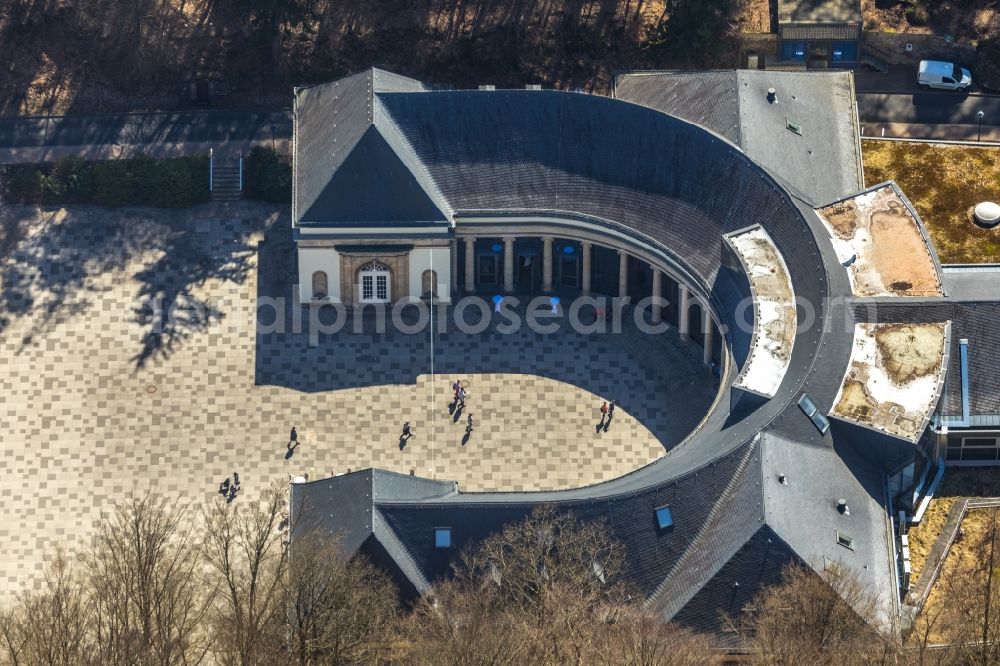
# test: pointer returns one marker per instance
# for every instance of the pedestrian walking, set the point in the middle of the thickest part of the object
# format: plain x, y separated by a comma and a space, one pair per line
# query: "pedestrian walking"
407, 433
293, 438
604, 410
456, 386
461, 396
468, 424
611, 410
236, 481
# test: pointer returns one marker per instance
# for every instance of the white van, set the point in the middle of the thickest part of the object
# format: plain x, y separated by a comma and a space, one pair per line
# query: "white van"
943, 75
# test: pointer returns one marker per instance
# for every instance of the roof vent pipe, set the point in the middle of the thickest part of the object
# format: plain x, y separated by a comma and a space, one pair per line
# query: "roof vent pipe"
772, 95
781, 479
842, 507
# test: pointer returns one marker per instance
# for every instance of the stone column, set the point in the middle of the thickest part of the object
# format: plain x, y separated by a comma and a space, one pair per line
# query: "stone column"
708, 327
453, 275
547, 264
622, 273
470, 265
585, 261
684, 313
508, 264
657, 295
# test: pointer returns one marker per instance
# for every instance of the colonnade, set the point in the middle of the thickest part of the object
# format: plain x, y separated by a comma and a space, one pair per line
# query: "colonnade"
685, 295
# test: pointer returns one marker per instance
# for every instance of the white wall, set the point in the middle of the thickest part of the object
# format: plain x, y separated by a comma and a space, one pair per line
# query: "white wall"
437, 259
312, 259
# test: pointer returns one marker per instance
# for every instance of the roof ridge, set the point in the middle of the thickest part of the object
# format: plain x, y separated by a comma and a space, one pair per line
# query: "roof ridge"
386, 535
693, 549
386, 125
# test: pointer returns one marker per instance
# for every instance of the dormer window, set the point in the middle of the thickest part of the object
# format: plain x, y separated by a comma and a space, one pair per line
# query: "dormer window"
442, 537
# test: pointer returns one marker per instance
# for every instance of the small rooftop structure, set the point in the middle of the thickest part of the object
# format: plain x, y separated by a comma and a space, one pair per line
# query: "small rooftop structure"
774, 311
878, 239
894, 378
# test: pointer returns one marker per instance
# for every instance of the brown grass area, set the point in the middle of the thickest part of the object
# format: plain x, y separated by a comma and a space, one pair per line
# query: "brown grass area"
899, 252
958, 482
943, 182
59, 56
843, 218
964, 19
961, 559
910, 351
756, 16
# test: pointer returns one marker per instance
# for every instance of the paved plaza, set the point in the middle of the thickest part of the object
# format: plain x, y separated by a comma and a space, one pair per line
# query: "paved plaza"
101, 397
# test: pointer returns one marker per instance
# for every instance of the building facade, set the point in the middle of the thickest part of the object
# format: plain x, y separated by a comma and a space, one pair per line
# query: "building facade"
714, 192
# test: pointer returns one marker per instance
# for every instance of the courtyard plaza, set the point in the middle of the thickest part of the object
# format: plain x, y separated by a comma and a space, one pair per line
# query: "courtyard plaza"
105, 394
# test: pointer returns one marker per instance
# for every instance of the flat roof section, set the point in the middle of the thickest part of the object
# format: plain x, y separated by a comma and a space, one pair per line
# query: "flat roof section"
774, 312
878, 239
894, 378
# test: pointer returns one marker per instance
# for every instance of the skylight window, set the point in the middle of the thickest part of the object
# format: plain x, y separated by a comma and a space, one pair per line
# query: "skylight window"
809, 409
845, 541
664, 518
442, 537
793, 126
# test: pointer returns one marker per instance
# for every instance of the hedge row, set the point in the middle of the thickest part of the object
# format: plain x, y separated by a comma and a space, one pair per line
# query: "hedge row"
266, 177
138, 181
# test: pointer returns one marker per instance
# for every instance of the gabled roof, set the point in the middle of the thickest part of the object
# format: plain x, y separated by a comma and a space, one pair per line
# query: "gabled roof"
350, 164
821, 161
343, 510
803, 512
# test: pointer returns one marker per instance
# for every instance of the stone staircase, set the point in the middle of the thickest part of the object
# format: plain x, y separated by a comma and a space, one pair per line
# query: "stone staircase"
226, 182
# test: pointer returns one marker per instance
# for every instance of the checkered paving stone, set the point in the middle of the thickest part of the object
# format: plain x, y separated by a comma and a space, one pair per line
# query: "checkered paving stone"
97, 402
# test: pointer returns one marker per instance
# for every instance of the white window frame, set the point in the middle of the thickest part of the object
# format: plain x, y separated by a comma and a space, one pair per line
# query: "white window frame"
379, 284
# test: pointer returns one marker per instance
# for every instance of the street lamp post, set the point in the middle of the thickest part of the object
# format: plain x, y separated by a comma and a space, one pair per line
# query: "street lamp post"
979, 134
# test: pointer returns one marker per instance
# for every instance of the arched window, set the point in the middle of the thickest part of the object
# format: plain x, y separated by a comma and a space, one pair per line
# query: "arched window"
320, 288
429, 284
374, 283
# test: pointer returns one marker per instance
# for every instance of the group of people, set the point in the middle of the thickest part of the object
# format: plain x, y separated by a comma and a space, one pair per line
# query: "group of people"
230, 486
460, 394
607, 414
458, 387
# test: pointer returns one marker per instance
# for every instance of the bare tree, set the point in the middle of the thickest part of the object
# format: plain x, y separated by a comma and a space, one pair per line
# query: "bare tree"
546, 591
463, 624
49, 627
337, 610
972, 599
638, 636
147, 602
247, 557
813, 619
549, 549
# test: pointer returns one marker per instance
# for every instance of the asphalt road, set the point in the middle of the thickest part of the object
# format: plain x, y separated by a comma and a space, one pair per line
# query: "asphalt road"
928, 107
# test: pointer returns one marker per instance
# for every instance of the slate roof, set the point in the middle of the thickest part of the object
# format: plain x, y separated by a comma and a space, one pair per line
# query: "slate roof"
819, 11
349, 164
669, 185
821, 164
979, 323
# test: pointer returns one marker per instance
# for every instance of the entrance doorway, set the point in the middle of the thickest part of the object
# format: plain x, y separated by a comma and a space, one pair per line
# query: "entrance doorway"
566, 266
489, 263
528, 266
